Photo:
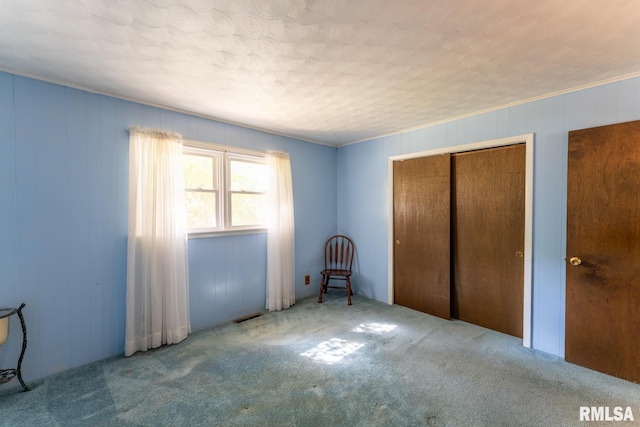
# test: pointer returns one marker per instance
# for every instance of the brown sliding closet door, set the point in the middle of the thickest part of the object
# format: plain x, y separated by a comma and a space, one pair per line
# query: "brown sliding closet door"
488, 212
421, 211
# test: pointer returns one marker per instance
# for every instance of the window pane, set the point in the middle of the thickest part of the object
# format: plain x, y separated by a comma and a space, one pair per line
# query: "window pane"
248, 176
201, 209
247, 209
199, 171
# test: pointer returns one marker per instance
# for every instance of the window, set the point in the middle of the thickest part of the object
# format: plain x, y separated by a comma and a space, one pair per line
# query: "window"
201, 188
224, 188
247, 187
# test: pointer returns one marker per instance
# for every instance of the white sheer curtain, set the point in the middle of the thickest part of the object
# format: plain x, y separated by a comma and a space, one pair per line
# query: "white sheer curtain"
157, 275
280, 237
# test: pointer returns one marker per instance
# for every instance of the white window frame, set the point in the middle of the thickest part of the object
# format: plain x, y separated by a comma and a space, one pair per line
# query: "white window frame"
223, 202
187, 149
228, 158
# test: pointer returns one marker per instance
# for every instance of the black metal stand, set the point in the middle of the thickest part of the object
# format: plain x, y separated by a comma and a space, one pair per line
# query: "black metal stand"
7, 375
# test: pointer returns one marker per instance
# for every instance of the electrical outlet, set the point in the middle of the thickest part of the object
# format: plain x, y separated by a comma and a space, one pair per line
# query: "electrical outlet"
307, 279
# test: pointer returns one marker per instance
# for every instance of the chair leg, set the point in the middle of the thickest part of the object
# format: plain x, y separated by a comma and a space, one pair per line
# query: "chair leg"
326, 285
322, 288
349, 293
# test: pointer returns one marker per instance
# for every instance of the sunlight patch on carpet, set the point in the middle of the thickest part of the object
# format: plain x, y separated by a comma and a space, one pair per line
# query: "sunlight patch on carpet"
374, 328
332, 351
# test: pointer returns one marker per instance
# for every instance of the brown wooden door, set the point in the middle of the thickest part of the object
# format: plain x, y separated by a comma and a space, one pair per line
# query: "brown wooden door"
603, 240
488, 205
421, 212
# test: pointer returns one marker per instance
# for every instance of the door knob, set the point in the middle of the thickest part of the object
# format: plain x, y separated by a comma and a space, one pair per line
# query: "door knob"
574, 260
519, 254
397, 242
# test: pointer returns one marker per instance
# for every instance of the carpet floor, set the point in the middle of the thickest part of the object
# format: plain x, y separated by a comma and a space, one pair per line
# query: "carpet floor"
327, 364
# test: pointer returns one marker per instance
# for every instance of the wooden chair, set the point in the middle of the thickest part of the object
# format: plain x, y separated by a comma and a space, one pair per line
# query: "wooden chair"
338, 264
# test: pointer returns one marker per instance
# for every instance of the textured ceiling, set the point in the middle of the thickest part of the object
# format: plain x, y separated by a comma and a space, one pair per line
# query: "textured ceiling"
330, 71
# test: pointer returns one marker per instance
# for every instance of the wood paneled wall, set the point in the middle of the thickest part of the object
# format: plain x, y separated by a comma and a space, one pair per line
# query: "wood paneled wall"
363, 197
63, 222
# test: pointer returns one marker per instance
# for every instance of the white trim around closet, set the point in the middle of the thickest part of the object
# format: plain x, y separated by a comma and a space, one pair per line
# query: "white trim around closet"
527, 139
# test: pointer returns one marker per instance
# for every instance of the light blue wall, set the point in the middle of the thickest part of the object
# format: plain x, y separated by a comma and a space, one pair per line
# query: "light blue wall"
63, 222
363, 191
63, 211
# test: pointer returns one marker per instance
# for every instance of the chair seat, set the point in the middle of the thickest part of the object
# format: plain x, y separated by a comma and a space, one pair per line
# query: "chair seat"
328, 272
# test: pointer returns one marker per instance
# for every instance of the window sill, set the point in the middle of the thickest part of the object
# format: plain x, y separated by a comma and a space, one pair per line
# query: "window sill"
224, 233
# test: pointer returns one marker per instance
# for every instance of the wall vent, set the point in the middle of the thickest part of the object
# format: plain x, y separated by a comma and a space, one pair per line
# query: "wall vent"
247, 317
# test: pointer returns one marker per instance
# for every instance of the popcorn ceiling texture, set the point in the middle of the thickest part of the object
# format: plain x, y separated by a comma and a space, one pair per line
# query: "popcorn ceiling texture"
330, 71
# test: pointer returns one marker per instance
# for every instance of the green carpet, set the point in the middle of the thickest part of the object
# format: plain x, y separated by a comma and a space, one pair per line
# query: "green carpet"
327, 364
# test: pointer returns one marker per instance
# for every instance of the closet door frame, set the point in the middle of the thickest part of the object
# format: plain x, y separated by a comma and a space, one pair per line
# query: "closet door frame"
527, 139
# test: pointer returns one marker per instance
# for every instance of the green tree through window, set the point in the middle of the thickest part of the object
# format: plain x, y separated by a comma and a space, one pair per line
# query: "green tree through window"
224, 190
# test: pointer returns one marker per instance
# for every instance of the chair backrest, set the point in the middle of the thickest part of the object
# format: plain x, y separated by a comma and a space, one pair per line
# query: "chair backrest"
338, 253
